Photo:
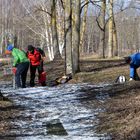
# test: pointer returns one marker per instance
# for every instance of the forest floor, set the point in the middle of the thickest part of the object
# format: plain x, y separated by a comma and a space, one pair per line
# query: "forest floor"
122, 115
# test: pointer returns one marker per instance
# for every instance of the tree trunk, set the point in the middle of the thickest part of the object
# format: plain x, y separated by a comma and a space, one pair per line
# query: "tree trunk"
83, 28
115, 41
54, 31
68, 37
110, 36
102, 25
76, 34
2, 28
48, 37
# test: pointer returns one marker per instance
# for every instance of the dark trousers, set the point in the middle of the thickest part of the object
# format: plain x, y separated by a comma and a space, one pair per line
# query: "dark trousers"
21, 74
33, 72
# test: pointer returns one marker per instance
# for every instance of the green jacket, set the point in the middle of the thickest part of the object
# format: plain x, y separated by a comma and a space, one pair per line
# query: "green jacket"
19, 56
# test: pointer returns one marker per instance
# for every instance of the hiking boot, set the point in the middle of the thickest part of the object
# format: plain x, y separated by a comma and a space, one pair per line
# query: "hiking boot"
32, 84
43, 84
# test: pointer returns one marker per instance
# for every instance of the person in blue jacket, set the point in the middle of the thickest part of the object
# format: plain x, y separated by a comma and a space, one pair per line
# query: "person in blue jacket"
134, 62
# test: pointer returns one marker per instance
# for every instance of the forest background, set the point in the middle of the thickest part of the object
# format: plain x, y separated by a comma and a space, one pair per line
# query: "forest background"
72, 29
96, 31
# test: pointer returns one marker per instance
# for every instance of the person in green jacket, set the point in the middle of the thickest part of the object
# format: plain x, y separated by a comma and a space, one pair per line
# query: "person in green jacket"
20, 65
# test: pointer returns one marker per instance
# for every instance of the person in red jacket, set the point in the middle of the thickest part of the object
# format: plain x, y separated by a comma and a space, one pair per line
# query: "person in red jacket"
36, 56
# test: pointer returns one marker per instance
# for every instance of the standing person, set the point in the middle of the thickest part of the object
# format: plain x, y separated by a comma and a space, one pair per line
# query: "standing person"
134, 62
20, 65
36, 57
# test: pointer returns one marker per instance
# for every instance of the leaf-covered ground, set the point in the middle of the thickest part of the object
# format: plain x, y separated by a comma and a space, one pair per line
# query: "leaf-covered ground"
122, 115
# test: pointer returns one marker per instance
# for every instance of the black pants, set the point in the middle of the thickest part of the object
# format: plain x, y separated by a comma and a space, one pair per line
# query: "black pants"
33, 72
21, 74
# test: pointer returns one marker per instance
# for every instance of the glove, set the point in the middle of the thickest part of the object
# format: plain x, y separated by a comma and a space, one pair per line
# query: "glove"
14, 69
130, 79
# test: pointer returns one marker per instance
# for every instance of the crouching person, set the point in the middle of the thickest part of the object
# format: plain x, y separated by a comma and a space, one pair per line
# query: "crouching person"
20, 65
134, 62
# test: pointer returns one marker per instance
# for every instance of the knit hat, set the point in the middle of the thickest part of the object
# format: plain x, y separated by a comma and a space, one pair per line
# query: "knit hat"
30, 48
10, 47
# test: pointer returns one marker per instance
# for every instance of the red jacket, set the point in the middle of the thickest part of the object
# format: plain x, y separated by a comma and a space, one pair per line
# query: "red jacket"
34, 57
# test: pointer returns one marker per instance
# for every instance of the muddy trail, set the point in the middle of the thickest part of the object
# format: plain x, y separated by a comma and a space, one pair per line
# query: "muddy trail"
90, 106
64, 112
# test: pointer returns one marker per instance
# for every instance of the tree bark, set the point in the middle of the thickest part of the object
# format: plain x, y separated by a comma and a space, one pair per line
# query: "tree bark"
54, 31
102, 27
68, 37
115, 40
110, 28
76, 34
83, 27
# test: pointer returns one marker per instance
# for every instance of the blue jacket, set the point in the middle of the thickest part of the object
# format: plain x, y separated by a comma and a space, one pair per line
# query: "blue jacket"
134, 64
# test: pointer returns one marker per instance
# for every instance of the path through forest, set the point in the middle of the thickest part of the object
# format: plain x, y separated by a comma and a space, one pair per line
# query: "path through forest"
63, 112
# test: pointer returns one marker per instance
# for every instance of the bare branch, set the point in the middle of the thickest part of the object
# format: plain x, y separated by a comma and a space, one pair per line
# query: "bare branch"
42, 10
95, 3
84, 6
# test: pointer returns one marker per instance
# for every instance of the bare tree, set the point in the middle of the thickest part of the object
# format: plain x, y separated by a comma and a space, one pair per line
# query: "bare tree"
115, 40
83, 25
110, 28
102, 26
54, 31
68, 37
76, 34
